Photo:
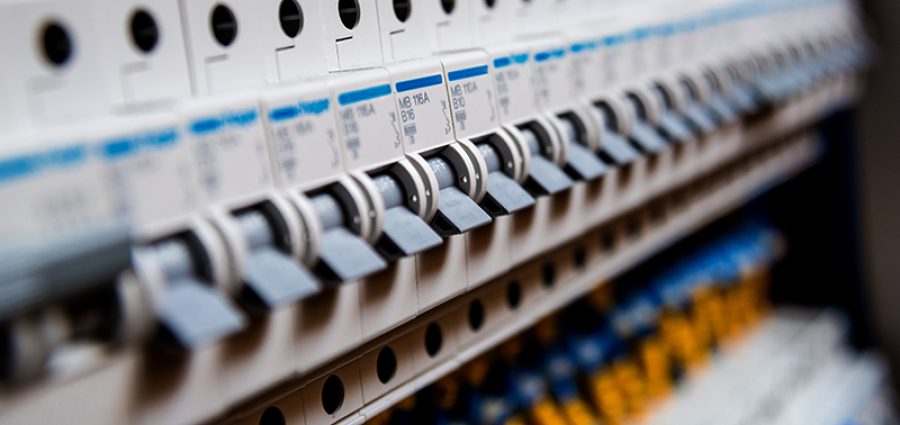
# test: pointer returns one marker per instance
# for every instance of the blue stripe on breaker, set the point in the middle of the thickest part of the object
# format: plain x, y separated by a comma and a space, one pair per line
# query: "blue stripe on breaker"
502, 62
362, 95
284, 113
22, 166
418, 83
464, 73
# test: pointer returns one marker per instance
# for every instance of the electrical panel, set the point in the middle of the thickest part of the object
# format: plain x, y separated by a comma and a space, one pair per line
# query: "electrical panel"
212, 205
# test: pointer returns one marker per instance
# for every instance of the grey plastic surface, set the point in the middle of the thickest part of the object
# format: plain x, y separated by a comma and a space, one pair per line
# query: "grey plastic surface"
581, 162
504, 195
195, 315
584, 163
617, 148
328, 210
741, 96
700, 116
647, 137
675, 127
391, 191
344, 256
274, 278
544, 177
723, 108
277, 279
457, 213
35, 275
406, 234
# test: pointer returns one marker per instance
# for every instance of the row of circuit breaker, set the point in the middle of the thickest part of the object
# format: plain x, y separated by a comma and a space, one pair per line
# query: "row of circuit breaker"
271, 195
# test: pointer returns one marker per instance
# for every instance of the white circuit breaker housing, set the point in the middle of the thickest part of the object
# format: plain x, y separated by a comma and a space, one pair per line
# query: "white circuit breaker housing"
351, 34
294, 40
405, 30
224, 43
51, 71
143, 52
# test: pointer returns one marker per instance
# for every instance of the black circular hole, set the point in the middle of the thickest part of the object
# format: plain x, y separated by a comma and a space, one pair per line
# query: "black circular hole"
144, 32
56, 43
513, 295
272, 416
402, 9
490, 3
433, 339
548, 274
223, 25
448, 6
349, 13
476, 315
332, 394
633, 227
608, 241
290, 17
579, 258
386, 364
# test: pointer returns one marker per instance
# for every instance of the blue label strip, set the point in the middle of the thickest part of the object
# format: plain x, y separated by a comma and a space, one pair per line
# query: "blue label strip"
362, 95
209, 125
419, 83
126, 146
462, 74
502, 62
549, 54
23, 166
312, 107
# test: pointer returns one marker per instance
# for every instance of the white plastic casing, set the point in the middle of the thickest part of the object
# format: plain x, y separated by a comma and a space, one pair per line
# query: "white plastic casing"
36, 92
134, 76
422, 104
303, 136
493, 23
471, 91
215, 67
148, 162
53, 186
367, 119
228, 144
512, 72
289, 58
351, 48
405, 39
453, 30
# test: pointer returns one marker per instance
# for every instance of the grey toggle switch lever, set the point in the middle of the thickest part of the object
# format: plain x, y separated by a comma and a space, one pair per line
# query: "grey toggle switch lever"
699, 114
343, 255
544, 177
644, 135
190, 310
614, 147
404, 233
504, 195
271, 276
581, 161
671, 123
457, 213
